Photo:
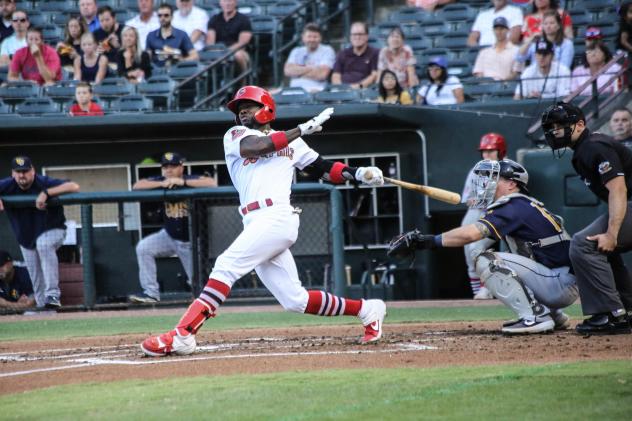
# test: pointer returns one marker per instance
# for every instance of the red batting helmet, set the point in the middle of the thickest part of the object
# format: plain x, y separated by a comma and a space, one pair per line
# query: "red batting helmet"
493, 141
258, 95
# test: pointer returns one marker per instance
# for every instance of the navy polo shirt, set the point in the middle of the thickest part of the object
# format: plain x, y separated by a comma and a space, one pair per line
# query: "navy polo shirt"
352, 67
19, 286
178, 39
176, 216
29, 223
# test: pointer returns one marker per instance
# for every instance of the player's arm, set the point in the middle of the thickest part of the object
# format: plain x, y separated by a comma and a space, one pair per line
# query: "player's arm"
201, 181
466, 234
63, 188
255, 146
337, 172
617, 206
147, 184
22, 303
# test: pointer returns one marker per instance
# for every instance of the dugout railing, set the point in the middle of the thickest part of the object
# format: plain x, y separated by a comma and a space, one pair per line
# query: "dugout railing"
214, 222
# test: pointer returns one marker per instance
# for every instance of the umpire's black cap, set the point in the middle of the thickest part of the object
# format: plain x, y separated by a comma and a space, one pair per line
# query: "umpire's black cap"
171, 158
21, 163
5, 257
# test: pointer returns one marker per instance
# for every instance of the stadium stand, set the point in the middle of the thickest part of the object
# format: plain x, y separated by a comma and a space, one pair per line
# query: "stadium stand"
161, 90
131, 103
37, 106
292, 96
15, 92
112, 88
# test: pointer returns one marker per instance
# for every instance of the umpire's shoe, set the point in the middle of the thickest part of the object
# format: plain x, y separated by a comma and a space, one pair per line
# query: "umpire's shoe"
604, 324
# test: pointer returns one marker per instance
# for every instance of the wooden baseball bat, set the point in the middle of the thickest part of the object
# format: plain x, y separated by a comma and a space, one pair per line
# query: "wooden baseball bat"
433, 192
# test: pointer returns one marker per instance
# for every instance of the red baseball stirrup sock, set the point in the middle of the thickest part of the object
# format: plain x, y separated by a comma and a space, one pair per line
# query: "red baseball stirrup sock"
205, 306
326, 304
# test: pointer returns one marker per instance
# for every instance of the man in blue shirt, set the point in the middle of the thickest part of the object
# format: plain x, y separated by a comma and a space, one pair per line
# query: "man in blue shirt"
173, 238
16, 291
168, 44
40, 230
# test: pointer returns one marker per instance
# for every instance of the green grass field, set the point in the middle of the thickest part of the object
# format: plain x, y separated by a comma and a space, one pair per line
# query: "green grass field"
582, 390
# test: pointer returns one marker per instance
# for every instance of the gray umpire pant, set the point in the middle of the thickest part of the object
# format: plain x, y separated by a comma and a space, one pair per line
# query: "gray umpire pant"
556, 288
160, 244
43, 266
604, 281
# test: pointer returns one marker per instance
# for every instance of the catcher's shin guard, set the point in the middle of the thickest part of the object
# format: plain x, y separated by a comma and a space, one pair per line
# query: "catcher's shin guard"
507, 286
194, 317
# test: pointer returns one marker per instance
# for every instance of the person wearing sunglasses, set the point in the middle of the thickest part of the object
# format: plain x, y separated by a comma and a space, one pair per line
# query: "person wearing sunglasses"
20, 23
168, 45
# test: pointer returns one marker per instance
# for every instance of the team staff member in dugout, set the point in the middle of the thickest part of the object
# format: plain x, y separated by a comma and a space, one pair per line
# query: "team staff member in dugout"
16, 291
173, 238
605, 165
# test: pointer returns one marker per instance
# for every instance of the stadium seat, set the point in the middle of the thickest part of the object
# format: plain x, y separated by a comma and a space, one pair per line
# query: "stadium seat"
213, 52
337, 94
133, 5
57, 5
185, 69
4, 73
263, 24
419, 43
435, 27
38, 19
284, 8
249, 8
113, 87
52, 33
425, 55
595, 4
37, 106
264, 4
370, 93
61, 91
161, 90
412, 30
292, 95
459, 68
4, 108
17, 91
452, 40
456, 12
131, 103
409, 15
580, 18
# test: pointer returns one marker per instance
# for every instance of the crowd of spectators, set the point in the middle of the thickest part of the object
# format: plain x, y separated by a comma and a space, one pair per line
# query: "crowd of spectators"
531, 45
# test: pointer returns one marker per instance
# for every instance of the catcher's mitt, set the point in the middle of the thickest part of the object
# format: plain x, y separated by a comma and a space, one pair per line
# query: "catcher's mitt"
404, 245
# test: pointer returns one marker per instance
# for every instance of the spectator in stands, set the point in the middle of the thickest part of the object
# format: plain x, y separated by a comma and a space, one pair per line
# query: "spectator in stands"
442, 88
398, 58
37, 61
533, 22
357, 65
233, 29
173, 238
593, 35
497, 61
17, 40
545, 78
621, 126
428, 5
308, 66
90, 66
7, 7
132, 63
88, 10
85, 106
391, 91
145, 22
624, 37
40, 230
563, 49
16, 290
108, 36
169, 45
70, 47
595, 58
482, 30
192, 20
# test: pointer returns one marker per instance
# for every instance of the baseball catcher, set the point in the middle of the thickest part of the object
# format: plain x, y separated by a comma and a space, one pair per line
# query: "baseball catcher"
535, 280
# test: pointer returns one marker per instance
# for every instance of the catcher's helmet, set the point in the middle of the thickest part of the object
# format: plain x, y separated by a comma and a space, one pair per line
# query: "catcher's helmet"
258, 95
493, 141
487, 172
511, 170
565, 115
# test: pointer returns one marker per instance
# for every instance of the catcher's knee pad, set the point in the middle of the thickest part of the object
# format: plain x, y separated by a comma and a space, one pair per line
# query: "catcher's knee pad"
505, 284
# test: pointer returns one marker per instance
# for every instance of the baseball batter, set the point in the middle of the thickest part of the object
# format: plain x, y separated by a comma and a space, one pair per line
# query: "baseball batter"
535, 280
491, 146
261, 163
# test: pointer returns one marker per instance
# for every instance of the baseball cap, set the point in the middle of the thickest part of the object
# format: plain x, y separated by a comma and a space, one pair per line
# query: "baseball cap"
171, 158
544, 46
501, 21
438, 61
5, 257
593, 32
21, 163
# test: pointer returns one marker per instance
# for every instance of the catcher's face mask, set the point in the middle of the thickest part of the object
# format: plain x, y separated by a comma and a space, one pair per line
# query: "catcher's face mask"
484, 182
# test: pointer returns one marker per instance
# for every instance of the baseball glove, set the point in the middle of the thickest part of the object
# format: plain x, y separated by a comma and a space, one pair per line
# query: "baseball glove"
404, 245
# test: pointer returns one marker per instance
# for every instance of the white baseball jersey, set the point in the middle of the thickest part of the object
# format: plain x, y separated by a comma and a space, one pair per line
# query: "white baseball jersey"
265, 177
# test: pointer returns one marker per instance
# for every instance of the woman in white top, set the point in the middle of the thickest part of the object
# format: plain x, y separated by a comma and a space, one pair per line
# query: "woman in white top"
596, 57
442, 89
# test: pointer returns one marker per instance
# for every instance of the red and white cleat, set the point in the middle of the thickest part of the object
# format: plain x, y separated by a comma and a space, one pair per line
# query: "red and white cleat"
372, 315
168, 343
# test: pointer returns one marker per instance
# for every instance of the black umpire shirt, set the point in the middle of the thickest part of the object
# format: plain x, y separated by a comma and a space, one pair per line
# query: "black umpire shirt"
598, 158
